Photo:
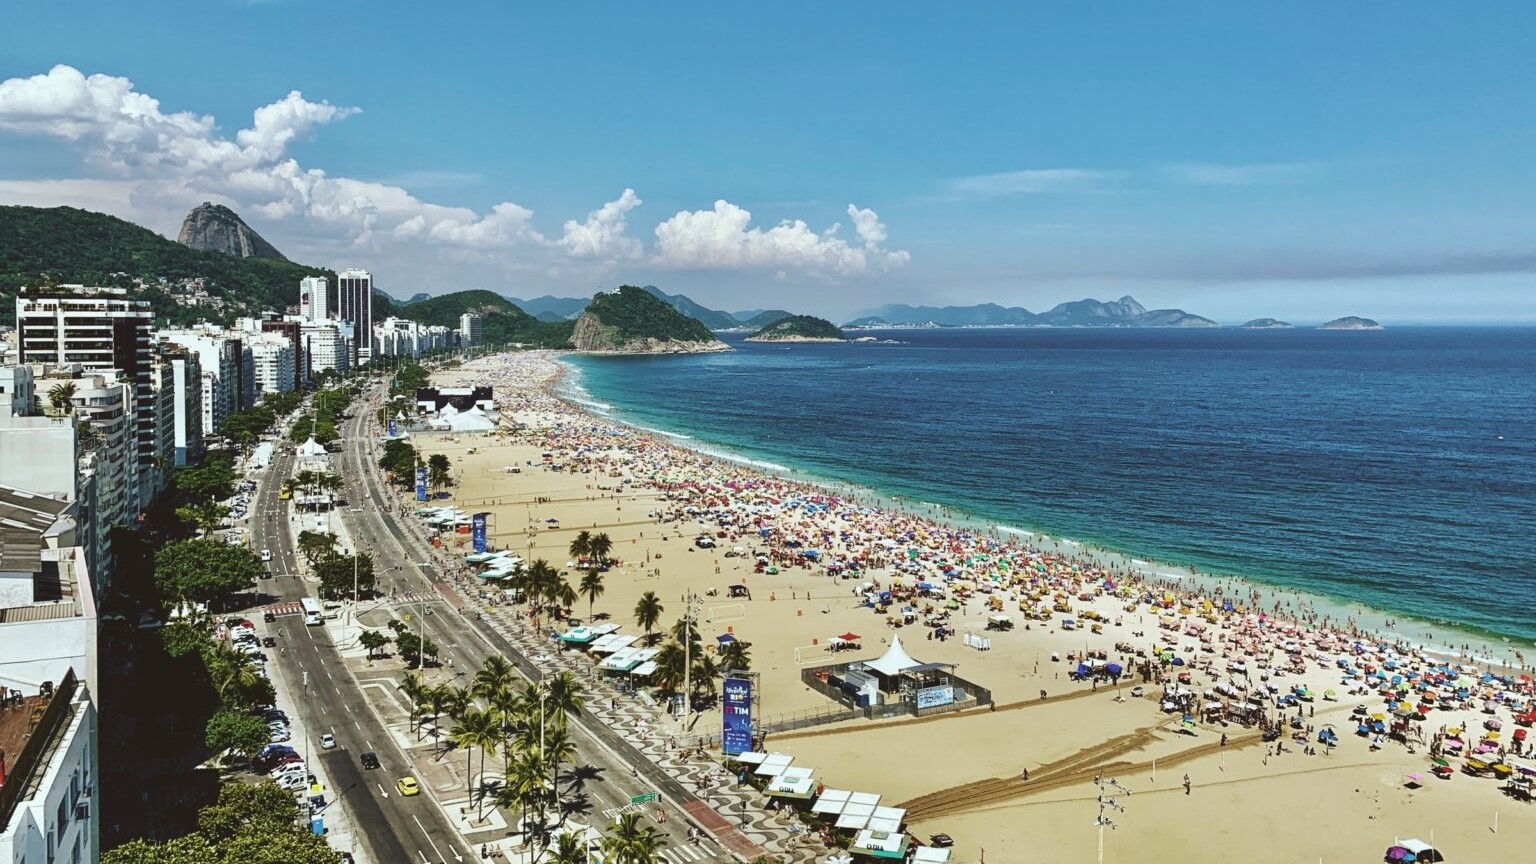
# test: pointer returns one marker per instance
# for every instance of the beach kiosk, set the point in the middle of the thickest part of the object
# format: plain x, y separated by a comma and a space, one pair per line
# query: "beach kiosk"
1413, 851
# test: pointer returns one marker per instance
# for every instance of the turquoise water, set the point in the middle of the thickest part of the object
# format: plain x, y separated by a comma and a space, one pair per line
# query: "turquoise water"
1394, 468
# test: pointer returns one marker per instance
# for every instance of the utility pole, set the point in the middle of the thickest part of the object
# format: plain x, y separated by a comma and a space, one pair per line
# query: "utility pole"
690, 604
1107, 805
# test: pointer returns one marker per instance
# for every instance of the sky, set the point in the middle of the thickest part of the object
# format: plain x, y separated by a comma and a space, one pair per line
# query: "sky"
1302, 161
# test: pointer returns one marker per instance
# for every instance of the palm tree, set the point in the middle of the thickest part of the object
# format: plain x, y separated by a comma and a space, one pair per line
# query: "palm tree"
581, 546
648, 612
524, 783
734, 656
510, 709
705, 671
670, 661
591, 588
415, 691
631, 842
569, 849
598, 548
563, 594
558, 747
685, 630
466, 734
566, 694
61, 397
437, 699
539, 582
205, 515
495, 675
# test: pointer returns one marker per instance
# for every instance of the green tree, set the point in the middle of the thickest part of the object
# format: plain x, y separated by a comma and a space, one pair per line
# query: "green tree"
581, 546
247, 807
204, 570
372, 640
278, 847
439, 471
61, 397
566, 695
735, 656
647, 612
191, 849
706, 671
495, 675
214, 480
599, 547
316, 546
182, 637
235, 731
205, 515
569, 849
336, 575
630, 841
412, 686
591, 588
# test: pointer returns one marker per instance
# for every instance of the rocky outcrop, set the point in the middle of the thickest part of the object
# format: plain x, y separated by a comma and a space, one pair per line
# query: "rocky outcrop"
1266, 324
593, 336
1351, 322
799, 328
216, 228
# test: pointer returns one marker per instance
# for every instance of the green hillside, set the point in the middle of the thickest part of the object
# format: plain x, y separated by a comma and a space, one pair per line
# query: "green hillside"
633, 313
64, 244
798, 327
502, 321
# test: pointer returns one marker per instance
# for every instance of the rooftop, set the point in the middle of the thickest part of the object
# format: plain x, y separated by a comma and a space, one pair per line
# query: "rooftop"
25, 519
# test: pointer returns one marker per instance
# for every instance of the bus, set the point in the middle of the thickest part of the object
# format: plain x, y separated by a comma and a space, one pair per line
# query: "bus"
312, 613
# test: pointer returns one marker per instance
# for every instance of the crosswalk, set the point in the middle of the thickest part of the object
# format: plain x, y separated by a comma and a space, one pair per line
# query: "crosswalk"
282, 609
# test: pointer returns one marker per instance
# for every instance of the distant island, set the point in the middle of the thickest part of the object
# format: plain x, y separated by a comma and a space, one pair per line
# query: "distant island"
799, 328
1351, 322
1266, 324
631, 320
1125, 312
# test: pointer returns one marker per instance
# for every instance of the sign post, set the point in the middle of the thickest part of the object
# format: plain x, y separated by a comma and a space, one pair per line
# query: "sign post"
736, 715
477, 529
642, 798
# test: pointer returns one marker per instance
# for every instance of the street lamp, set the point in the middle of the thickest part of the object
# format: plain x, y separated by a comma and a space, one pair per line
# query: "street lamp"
1107, 805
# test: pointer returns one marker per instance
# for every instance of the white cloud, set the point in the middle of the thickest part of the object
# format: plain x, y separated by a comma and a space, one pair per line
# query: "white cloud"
1030, 182
724, 238
150, 166
1256, 174
602, 235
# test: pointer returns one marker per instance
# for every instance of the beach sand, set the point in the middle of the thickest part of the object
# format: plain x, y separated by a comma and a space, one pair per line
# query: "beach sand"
1244, 804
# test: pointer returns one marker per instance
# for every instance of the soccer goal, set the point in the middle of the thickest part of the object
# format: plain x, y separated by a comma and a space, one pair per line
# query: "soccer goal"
810, 653
729, 612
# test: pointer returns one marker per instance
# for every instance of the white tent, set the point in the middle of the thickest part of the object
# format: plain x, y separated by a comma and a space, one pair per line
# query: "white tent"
310, 449
894, 661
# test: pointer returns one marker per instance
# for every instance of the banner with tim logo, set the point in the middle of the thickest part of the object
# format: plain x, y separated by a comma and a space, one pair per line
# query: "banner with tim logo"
736, 717
393, 432
421, 483
477, 529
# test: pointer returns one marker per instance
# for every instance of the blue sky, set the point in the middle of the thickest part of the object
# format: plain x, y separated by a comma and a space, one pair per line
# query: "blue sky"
1303, 161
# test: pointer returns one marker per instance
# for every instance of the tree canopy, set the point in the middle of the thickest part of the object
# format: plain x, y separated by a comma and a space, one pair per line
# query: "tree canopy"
204, 570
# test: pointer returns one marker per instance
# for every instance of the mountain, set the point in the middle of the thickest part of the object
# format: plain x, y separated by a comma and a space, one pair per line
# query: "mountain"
711, 318
501, 321
216, 228
1170, 318
1091, 313
558, 307
182, 284
418, 297
547, 315
760, 319
983, 315
799, 328
1266, 324
1350, 322
633, 320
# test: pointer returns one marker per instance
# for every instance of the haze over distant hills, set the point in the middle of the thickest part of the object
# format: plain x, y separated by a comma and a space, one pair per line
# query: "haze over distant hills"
1125, 312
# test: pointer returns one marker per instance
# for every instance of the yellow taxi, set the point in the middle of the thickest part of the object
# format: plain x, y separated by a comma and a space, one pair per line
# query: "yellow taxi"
408, 786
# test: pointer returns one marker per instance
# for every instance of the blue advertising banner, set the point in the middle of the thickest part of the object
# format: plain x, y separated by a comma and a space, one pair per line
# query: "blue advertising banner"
736, 717
392, 433
477, 528
421, 483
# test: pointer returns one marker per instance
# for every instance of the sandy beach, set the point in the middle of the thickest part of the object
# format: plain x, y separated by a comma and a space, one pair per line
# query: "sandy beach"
554, 470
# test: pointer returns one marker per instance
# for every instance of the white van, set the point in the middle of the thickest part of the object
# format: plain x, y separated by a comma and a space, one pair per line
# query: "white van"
266, 555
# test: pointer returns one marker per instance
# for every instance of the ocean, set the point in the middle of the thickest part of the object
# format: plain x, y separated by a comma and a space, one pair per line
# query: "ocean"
1394, 468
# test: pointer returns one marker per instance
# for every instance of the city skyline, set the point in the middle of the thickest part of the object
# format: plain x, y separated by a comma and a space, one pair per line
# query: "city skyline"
1003, 156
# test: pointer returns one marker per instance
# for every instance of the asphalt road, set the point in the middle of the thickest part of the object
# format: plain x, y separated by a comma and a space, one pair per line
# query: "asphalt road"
619, 770
395, 829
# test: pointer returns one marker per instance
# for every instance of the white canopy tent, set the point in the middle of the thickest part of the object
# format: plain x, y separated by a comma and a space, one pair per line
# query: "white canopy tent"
894, 661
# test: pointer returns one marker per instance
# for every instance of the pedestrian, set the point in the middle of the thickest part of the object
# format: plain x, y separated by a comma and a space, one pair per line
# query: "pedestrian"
1186, 784
1026, 774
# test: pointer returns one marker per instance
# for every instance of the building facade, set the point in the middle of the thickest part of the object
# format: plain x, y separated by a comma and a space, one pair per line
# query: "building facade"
314, 299
354, 305
471, 330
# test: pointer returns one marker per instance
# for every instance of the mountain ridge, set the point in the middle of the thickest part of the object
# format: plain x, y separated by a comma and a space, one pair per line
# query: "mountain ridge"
210, 227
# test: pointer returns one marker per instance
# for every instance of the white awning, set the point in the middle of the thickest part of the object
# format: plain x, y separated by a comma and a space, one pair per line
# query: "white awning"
831, 801
774, 765
751, 757
894, 661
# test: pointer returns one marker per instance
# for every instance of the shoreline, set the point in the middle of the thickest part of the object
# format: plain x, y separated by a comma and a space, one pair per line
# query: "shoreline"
1318, 608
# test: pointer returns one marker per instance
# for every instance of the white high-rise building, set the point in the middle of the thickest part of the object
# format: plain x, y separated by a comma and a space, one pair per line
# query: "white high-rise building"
354, 305
48, 677
471, 329
325, 347
272, 357
314, 299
